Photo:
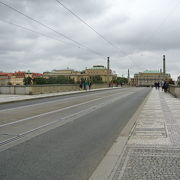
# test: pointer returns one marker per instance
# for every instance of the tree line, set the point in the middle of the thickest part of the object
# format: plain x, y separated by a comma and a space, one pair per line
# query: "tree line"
57, 80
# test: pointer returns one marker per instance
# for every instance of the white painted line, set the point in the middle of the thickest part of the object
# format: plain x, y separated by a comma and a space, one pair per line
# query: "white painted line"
51, 112
27, 132
21, 107
32, 105
47, 113
62, 120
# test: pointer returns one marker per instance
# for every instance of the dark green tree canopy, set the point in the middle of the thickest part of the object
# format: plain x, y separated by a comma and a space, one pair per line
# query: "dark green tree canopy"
27, 81
96, 79
53, 80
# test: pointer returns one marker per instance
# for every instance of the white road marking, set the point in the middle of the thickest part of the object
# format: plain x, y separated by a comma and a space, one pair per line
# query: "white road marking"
51, 112
20, 107
63, 121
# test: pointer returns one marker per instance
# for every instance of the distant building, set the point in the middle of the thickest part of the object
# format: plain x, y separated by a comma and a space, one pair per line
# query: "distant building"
4, 78
99, 70
16, 78
102, 71
70, 73
148, 78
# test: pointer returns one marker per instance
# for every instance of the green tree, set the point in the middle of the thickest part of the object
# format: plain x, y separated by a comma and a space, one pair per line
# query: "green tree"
54, 80
39, 80
121, 80
27, 81
9, 84
96, 79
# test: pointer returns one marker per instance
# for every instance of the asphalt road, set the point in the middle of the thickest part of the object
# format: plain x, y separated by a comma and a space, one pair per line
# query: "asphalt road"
63, 138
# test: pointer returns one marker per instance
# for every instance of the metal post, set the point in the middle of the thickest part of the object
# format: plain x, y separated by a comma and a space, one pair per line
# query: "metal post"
128, 76
108, 71
164, 65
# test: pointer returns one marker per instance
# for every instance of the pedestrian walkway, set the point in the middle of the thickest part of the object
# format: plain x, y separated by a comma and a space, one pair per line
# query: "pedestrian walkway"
152, 151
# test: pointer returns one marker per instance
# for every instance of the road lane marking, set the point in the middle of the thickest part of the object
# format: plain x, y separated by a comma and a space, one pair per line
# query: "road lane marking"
20, 107
63, 121
24, 133
47, 113
51, 112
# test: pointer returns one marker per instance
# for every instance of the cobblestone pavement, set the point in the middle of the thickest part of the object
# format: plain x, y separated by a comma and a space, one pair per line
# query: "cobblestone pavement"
153, 149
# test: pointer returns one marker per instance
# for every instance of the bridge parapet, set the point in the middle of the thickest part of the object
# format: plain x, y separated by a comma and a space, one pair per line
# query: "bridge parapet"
175, 90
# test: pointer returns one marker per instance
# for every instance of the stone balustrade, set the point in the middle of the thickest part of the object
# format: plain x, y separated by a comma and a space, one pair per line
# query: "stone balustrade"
174, 90
44, 89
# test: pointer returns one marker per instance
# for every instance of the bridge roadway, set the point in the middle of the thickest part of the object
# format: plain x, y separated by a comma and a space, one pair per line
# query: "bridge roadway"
65, 137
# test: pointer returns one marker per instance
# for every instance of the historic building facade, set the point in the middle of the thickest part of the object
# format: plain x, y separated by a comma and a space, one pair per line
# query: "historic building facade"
148, 78
97, 70
16, 78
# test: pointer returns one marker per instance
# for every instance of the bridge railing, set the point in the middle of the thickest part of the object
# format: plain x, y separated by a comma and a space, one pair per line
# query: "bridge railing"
174, 90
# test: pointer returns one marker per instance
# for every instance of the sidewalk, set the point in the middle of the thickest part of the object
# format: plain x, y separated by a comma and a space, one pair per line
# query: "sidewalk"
5, 98
152, 151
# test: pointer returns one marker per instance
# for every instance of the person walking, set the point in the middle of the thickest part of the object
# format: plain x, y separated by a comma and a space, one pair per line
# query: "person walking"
81, 84
158, 85
165, 86
90, 84
86, 85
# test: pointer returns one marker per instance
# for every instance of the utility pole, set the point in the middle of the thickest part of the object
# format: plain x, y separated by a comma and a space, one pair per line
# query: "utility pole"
164, 64
108, 71
128, 76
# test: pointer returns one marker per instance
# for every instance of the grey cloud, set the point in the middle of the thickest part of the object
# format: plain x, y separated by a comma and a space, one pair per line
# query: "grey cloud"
88, 8
125, 23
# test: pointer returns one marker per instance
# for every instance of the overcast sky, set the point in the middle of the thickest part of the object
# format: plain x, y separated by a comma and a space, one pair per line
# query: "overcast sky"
138, 32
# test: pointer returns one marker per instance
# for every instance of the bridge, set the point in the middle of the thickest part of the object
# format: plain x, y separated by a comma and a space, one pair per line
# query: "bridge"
92, 135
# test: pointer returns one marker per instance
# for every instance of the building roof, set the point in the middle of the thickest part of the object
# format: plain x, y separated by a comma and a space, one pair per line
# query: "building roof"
3, 74
98, 67
151, 71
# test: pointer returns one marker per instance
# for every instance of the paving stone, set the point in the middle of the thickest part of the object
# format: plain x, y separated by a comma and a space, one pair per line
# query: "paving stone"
149, 163
153, 149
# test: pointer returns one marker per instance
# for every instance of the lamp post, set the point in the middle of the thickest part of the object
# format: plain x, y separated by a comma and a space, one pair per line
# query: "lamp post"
108, 71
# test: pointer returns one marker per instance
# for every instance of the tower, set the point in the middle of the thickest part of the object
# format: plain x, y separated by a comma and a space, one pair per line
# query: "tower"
164, 64
128, 75
108, 71
108, 63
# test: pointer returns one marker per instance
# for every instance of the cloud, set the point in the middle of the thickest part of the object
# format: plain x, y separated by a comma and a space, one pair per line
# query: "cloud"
141, 31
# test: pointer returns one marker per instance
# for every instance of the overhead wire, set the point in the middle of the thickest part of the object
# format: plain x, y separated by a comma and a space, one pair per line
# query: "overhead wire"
156, 29
27, 29
93, 29
84, 22
164, 20
109, 42
55, 31
70, 39
79, 45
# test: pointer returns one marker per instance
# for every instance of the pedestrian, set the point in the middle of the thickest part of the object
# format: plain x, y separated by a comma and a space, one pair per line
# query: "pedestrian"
155, 85
90, 84
165, 86
86, 84
162, 85
81, 84
158, 85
